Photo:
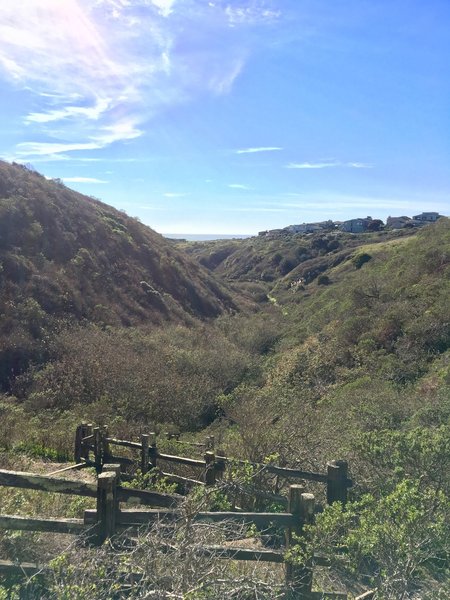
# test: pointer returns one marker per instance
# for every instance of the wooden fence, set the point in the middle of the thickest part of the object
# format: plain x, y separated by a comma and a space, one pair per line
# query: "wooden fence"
94, 447
211, 467
109, 518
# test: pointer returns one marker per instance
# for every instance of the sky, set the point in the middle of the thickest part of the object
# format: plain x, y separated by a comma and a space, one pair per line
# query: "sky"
232, 117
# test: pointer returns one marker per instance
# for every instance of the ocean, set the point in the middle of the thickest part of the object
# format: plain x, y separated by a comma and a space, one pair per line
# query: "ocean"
204, 237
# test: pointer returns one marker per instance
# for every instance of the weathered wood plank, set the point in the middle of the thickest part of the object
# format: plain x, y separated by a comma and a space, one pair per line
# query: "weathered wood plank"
124, 443
182, 460
141, 517
148, 497
195, 444
18, 523
32, 481
295, 473
261, 520
282, 471
80, 465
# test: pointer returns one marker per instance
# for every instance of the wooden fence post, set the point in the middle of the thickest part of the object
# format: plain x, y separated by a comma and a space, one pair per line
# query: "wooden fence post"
144, 453
105, 444
299, 577
113, 468
209, 443
79, 434
153, 451
337, 475
221, 464
106, 505
116, 469
97, 448
87, 431
210, 469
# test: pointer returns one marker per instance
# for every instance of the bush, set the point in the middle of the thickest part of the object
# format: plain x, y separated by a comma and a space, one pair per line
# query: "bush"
360, 259
323, 280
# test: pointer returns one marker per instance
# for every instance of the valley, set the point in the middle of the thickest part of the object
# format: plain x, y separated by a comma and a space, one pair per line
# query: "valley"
292, 351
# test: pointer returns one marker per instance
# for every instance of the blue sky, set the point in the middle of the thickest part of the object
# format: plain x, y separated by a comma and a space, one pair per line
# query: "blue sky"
232, 117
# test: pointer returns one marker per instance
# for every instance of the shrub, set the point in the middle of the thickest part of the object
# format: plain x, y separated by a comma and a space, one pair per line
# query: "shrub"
360, 259
323, 280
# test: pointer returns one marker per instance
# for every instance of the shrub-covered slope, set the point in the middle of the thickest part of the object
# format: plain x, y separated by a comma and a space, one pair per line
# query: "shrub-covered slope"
67, 256
269, 259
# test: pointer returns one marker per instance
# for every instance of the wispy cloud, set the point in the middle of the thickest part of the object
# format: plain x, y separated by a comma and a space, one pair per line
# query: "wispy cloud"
88, 112
164, 6
100, 70
83, 180
25, 149
175, 194
328, 165
258, 149
254, 12
239, 186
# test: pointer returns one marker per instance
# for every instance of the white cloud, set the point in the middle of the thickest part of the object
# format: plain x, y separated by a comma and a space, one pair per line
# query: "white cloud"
164, 6
52, 148
101, 69
359, 165
327, 165
120, 130
239, 186
258, 149
89, 112
250, 13
222, 81
83, 180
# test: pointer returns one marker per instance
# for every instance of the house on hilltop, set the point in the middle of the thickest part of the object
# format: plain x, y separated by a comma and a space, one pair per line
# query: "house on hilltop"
356, 225
304, 228
416, 221
311, 227
427, 217
399, 222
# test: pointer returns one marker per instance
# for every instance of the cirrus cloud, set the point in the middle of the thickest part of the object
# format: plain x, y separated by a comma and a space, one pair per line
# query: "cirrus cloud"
94, 65
328, 165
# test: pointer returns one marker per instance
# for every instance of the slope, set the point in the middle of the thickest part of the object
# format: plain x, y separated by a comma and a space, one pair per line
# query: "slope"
67, 256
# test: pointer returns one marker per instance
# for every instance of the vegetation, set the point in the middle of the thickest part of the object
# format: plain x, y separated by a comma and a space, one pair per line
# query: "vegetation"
341, 350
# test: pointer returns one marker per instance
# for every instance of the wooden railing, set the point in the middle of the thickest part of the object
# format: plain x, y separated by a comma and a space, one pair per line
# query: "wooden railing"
211, 467
109, 518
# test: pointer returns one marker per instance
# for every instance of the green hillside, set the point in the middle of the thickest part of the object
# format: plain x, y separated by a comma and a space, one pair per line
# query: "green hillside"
68, 257
343, 353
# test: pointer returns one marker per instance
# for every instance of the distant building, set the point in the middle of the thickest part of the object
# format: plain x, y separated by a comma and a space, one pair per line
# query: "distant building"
427, 217
310, 227
398, 222
356, 225
304, 228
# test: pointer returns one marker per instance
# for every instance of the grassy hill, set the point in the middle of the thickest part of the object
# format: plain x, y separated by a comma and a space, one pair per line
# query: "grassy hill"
259, 264
348, 357
65, 256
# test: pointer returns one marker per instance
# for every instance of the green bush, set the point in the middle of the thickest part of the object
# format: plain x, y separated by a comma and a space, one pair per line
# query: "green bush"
361, 259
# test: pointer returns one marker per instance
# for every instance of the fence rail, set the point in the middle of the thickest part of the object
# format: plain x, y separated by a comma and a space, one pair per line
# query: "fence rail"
212, 466
93, 447
109, 518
